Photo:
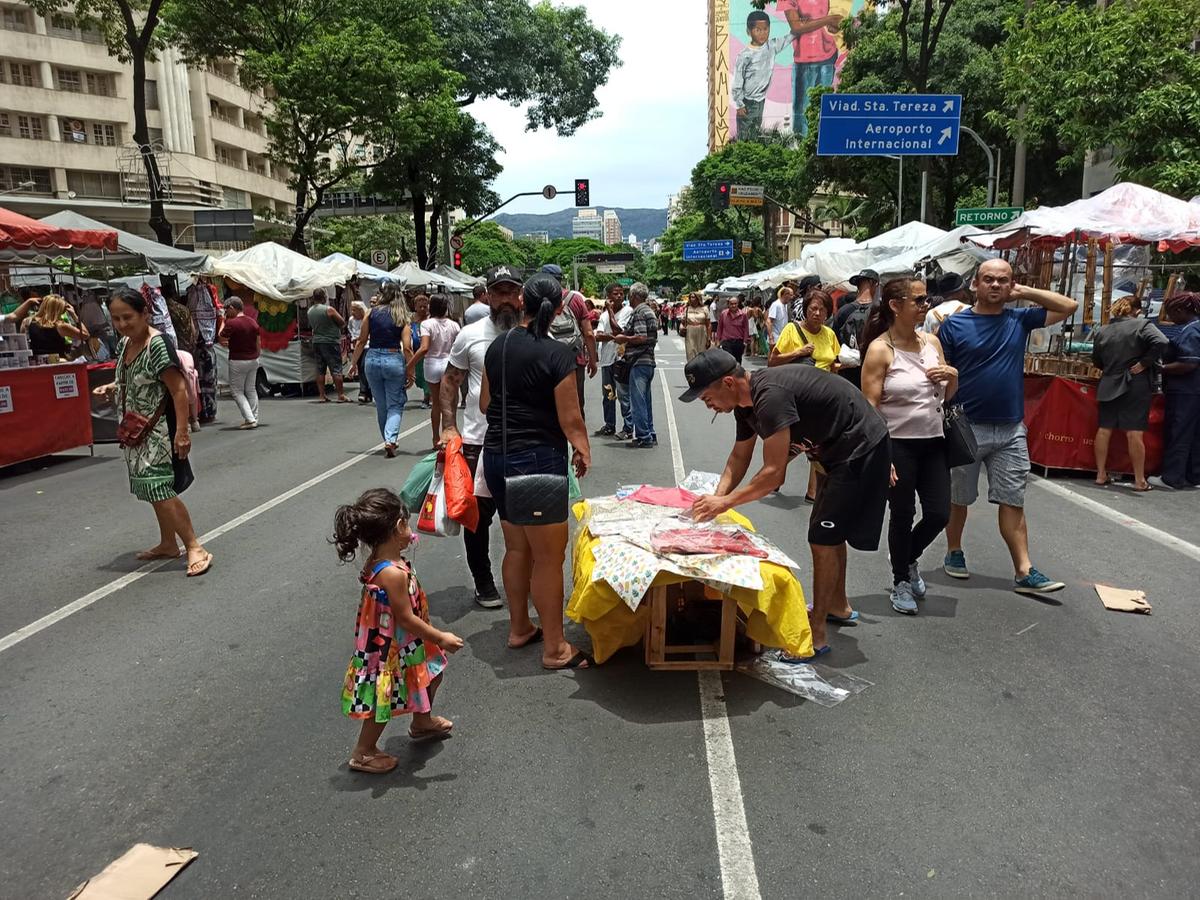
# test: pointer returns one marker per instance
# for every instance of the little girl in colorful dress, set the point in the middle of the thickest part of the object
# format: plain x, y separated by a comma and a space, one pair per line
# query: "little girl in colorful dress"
399, 657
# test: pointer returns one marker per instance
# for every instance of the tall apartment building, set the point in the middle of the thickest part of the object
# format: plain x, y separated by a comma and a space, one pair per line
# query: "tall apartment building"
538, 237
587, 224
66, 130
612, 228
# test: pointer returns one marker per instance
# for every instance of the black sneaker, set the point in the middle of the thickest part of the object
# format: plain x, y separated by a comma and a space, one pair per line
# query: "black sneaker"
624, 435
605, 431
489, 599
644, 445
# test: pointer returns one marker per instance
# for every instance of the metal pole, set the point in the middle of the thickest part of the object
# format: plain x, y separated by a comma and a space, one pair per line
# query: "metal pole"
991, 158
575, 272
924, 191
900, 195
446, 255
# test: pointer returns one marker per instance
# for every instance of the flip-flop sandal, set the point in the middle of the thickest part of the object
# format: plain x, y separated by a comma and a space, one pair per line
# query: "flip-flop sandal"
207, 563
820, 651
1142, 490
579, 660
431, 734
344, 400
365, 764
851, 619
535, 638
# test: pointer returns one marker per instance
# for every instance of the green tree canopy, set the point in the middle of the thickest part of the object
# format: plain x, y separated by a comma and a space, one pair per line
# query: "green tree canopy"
357, 236
1125, 75
485, 246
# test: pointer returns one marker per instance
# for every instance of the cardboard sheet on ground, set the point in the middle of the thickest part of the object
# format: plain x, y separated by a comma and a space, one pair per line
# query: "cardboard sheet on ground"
141, 873
776, 615
1123, 599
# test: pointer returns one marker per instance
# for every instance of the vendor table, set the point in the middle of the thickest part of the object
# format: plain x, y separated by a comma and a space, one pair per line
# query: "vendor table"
776, 616
43, 410
1061, 416
294, 364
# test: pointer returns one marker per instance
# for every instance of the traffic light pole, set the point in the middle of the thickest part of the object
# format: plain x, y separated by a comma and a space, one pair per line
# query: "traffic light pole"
491, 212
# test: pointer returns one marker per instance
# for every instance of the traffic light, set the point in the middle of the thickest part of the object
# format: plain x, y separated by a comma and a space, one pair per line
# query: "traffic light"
720, 196
583, 192
458, 259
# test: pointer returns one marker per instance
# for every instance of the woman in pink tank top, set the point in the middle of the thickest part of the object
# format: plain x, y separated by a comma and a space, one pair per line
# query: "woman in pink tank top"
905, 377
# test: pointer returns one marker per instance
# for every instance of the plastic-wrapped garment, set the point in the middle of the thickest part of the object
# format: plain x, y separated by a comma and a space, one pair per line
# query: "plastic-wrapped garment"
701, 482
822, 686
676, 498
705, 540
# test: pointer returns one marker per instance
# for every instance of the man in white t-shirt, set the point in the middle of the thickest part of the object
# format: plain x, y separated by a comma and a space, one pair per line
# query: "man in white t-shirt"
952, 289
466, 364
779, 314
613, 320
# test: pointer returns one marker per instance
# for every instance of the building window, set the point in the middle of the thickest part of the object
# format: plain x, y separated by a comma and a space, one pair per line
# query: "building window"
69, 80
151, 94
72, 131
62, 26
227, 156
99, 84
156, 136
94, 184
5, 125
105, 135
234, 199
12, 177
22, 75
31, 128
15, 19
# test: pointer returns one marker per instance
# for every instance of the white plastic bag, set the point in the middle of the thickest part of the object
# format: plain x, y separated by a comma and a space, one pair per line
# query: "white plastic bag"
434, 518
849, 357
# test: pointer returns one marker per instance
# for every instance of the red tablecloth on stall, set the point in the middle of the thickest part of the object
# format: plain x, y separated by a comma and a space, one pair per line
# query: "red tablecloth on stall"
1061, 416
43, 410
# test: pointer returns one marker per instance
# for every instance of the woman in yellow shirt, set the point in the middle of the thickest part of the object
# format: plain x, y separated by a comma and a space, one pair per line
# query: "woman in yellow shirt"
811, 338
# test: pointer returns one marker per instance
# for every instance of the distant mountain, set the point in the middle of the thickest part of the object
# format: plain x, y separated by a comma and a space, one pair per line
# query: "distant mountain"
645, 223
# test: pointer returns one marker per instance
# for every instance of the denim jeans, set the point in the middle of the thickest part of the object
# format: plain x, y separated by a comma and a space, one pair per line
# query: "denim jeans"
615, 393
808, 75
541, 460
641, 402
385, 374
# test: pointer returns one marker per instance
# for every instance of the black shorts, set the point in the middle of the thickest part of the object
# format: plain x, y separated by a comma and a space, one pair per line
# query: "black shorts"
851, 502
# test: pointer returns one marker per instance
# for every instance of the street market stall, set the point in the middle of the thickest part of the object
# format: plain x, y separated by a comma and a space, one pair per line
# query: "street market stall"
44, 409
1078, 249
369, 277
130, 249
275, 280
633, 546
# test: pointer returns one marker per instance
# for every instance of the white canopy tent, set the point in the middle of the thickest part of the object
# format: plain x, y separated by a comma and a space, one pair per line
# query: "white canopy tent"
413, 276
364, 271
159, 258
279, 273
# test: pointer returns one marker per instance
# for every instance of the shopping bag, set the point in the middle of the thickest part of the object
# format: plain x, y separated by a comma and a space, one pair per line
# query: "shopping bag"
575, 493
416, 486
434, 518
461, 505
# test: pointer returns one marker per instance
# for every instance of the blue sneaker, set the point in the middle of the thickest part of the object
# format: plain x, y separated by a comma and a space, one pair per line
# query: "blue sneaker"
903, 600
916, 581
955, 564
1036, 583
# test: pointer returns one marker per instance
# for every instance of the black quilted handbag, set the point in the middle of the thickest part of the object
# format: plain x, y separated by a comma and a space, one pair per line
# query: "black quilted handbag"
961, 448
540, 499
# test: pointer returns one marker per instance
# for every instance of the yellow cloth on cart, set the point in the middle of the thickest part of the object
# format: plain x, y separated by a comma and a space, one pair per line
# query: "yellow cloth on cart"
776, 616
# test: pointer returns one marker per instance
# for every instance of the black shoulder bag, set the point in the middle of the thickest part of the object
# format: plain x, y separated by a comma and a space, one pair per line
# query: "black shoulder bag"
540, 499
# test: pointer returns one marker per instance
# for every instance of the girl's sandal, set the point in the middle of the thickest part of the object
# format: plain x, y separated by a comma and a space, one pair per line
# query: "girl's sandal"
374, 764
441, 729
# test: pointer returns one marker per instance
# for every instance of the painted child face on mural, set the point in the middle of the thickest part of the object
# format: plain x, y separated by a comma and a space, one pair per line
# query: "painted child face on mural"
760, 33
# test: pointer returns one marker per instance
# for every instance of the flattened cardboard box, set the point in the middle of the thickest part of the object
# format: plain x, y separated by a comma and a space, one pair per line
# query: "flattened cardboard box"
141, 873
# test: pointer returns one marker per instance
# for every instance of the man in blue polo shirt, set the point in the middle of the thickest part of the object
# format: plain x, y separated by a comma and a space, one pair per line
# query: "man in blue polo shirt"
987, 345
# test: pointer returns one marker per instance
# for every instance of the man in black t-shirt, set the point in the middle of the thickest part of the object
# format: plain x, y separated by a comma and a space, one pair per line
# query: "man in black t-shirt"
831, 421
851, 319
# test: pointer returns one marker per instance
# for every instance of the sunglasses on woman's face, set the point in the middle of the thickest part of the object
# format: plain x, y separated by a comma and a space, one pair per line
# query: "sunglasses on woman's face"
920, 299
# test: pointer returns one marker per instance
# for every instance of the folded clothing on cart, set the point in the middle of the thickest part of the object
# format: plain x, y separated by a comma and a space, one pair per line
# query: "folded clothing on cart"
705, 540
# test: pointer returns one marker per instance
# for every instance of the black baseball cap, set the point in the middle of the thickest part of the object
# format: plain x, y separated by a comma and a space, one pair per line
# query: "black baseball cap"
552, 269
502, 274
865, 275
809, 281
705, 369
950, 283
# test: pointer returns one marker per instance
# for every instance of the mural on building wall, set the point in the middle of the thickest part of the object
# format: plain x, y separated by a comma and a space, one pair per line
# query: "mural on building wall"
764, 62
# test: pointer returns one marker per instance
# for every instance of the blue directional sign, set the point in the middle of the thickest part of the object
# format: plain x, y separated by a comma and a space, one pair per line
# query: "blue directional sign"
889, 125
706, 251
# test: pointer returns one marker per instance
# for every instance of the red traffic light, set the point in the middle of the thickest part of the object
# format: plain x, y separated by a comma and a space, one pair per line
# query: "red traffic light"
457, 259
581, 186
723, 188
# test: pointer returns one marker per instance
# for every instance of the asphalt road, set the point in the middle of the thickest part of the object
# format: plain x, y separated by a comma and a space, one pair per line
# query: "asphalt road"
1007, 746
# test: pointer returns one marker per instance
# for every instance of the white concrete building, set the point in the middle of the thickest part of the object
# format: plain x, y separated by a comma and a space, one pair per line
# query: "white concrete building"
587, 224
66, 130
612, 228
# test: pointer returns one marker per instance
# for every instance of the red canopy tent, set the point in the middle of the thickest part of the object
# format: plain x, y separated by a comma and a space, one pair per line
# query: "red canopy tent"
17, 232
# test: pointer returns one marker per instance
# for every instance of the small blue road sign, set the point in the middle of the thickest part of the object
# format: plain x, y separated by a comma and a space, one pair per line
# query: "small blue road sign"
706, 251
889, 125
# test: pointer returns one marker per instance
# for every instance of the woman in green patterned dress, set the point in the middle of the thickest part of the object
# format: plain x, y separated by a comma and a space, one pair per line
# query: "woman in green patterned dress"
149, 382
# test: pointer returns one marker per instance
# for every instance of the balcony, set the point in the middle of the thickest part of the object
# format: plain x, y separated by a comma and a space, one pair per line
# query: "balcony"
49, 154
230, 92
224, 132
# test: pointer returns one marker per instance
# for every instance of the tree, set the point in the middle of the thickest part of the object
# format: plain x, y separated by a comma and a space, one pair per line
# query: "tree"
1125, 76
357, 236
485, 246
344, 75
841, 210
130, 29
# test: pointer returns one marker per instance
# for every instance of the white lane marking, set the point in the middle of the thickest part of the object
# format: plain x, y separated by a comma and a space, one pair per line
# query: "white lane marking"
28, 631
1025, 629
1136, 525
739, 880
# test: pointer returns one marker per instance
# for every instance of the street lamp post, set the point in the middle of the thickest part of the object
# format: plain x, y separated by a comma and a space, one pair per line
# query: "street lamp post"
20, 187
991, 158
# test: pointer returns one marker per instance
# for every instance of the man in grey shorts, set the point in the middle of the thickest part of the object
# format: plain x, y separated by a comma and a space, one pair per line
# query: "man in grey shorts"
986, 343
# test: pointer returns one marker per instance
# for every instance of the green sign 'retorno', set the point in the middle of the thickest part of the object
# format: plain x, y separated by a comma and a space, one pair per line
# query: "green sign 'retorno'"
986, 217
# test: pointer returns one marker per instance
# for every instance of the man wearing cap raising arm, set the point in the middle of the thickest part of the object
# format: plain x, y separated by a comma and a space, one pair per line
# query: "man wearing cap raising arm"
987, 345
824, 416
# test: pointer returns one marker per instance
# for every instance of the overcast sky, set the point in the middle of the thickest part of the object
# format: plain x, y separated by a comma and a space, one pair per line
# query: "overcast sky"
654, 128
